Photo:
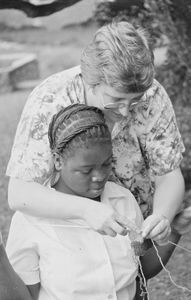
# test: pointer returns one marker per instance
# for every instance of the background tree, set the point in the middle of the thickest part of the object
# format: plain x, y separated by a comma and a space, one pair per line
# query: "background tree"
165, 20
169, 23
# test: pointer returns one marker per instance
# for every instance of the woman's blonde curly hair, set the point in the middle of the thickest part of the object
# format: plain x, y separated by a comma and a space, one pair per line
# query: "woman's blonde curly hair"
119, 56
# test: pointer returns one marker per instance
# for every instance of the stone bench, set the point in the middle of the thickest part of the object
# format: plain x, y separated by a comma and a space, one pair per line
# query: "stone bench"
16, 68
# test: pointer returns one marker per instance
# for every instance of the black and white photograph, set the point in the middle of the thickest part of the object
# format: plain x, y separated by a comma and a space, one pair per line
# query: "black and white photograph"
95, 131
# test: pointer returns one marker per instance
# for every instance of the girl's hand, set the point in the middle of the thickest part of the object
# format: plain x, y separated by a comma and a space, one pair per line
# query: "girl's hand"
157, 228
105, 220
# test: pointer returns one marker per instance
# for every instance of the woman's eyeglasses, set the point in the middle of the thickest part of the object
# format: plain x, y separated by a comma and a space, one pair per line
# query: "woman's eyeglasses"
123, 104
118, 105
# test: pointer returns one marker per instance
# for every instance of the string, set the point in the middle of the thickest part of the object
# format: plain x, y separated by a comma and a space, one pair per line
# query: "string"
143, 282
178, 246
168, 272
67, 226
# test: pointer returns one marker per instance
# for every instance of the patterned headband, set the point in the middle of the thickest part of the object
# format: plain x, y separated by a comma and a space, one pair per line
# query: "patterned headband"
88, 121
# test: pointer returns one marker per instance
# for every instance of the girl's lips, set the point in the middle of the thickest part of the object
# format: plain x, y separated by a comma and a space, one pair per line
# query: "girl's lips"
97, 190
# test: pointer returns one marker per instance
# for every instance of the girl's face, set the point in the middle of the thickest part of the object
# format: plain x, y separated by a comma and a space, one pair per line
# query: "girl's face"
86, 172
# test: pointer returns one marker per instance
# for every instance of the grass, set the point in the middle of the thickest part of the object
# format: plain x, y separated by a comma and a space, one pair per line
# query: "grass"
56, 51
11, 108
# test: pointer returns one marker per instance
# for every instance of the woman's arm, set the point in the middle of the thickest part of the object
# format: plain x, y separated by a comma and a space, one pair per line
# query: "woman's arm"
169, 194
11, 286
167, 201
150, 261
37, 200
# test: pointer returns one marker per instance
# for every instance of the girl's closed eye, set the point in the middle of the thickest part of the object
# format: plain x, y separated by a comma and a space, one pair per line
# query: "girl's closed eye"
85, 171
107, 164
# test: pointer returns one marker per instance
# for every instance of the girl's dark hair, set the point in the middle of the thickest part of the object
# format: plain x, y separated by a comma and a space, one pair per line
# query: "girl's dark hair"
77, 126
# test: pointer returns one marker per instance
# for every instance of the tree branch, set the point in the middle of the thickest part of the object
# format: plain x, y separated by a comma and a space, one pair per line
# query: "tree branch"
33, 11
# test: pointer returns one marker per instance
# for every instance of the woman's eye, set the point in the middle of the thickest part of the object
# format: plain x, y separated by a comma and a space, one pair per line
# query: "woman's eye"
117, 100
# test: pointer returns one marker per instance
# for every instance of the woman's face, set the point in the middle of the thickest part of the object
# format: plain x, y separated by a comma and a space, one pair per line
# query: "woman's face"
111, 101
86, 172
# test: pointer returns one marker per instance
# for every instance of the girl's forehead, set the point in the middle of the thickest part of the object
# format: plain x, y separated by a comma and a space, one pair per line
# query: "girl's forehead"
92, 154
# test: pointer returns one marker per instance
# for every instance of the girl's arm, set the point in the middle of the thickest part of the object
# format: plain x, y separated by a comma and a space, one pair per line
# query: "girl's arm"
11, 286
34, 290
37, 200
150, 261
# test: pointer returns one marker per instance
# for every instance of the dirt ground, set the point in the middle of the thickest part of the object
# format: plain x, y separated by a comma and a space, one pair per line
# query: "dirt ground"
57, 51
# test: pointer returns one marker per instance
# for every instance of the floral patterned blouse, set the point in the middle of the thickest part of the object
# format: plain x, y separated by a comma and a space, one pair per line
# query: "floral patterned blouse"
145, 144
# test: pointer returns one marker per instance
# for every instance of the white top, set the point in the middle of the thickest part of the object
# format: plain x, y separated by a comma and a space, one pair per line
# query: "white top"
73, 262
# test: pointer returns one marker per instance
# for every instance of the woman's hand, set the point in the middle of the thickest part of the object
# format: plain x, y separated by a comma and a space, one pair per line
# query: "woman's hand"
182, 221
105, 220
157, 228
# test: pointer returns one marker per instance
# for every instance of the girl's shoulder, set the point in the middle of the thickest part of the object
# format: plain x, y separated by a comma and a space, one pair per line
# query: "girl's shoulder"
123, 201
113, 189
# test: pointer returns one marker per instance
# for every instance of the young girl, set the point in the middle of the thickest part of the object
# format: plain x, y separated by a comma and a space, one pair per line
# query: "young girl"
66, 259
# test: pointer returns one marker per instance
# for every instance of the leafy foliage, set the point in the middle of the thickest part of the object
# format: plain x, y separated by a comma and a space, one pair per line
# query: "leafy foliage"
165, 20
169, 23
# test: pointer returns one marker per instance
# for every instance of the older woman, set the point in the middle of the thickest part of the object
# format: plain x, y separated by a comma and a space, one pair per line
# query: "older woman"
116, 75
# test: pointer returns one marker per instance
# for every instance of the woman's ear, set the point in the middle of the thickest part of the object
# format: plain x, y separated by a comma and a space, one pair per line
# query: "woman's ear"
57, 161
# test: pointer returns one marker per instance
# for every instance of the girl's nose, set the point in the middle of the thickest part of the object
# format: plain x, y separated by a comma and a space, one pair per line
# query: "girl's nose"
98, 177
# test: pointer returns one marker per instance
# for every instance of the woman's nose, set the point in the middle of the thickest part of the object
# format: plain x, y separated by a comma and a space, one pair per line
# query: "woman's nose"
124, 110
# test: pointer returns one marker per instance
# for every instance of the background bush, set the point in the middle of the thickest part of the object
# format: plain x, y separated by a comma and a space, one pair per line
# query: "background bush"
169, 24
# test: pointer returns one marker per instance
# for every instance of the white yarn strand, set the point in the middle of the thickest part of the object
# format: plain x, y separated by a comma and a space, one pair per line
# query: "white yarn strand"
178, 246
143, 282
185, 289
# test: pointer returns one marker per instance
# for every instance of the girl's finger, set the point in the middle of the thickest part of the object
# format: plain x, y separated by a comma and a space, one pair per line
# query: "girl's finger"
119, 229
110, 232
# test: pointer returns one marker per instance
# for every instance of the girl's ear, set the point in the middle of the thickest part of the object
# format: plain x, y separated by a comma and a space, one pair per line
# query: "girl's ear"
57, 161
